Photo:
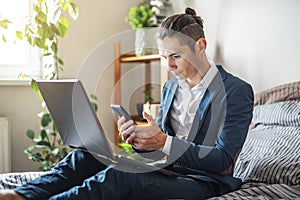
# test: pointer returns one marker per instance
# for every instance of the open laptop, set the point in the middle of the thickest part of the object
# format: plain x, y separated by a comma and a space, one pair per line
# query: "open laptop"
78, 124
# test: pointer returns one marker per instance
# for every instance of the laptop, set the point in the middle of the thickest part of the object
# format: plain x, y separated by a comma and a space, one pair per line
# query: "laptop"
78, 125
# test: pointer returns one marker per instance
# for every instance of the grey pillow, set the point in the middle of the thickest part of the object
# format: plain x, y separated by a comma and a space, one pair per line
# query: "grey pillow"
271, 153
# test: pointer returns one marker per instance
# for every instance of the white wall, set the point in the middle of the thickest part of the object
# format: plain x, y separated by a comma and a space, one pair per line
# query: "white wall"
258, 40
98, 20
255, 39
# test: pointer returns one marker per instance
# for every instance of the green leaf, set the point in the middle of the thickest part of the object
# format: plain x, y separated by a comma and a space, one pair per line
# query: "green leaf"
43, 144
94, 106
45, 150
63, 26
37, 155
43, 134
55, 151
40, 96
54, 29
37, 139
34, 85
19, 35
30, 134
3, 38
60, 61
30, 148
40, 18
64, 152
50, 131
54, 47
64, 4
46, 120
46, 32
93, 96
45, 55
126, 147
4, 23
73, 10
27, 152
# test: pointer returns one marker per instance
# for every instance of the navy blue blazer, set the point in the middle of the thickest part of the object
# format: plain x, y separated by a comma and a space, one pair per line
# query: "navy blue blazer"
218, 131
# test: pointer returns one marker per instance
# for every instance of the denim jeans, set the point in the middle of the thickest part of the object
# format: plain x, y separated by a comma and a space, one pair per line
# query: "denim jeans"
80, 176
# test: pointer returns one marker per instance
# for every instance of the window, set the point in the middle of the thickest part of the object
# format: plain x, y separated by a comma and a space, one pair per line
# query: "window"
17, 57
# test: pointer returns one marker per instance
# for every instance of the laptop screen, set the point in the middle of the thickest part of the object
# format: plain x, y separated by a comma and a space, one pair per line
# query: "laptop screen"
74, 116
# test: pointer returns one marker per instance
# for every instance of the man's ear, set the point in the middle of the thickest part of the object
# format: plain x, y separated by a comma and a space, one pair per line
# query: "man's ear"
200, 44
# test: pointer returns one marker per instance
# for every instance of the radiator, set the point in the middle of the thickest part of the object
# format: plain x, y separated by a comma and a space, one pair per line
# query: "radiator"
5, 145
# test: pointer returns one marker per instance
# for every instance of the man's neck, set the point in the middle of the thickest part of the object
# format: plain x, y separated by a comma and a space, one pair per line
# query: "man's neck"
198, 76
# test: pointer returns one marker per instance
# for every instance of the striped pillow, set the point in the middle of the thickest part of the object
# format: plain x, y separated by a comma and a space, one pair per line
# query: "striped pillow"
286, 113
271, 152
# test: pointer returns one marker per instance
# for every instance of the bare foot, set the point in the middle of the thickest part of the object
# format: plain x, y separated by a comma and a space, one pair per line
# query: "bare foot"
10, 195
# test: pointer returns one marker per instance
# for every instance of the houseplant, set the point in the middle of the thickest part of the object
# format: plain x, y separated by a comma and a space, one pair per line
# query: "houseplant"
142, 19
43, 30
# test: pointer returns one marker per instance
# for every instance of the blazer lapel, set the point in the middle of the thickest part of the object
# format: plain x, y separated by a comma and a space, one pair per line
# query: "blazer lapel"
200, 115
170, 98
215, 87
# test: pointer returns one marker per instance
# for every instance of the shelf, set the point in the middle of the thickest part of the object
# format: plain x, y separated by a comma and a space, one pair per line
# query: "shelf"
133, 58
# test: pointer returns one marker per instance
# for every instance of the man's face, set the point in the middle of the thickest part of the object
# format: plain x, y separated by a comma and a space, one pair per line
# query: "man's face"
178, 57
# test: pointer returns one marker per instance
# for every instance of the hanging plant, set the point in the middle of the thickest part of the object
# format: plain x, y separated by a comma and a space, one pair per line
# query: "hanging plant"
43, 30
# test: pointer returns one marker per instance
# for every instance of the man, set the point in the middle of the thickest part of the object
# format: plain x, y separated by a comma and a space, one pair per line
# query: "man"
201, 127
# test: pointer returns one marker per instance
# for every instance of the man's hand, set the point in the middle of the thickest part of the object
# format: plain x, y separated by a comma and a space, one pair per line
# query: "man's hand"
10, 195
148, 137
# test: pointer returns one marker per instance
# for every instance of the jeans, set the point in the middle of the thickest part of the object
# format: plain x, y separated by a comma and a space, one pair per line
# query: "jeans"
81, 176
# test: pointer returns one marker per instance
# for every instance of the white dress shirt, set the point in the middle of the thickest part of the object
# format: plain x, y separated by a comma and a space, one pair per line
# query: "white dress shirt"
185, 105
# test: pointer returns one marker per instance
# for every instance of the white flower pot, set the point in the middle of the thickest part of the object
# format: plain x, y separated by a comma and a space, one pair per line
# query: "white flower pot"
145, 41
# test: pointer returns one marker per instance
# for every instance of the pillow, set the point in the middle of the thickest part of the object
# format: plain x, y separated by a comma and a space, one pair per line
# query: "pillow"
286, 113
286, 92
271, 154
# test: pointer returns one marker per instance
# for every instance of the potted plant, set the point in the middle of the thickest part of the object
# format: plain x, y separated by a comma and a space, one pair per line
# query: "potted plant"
143, 19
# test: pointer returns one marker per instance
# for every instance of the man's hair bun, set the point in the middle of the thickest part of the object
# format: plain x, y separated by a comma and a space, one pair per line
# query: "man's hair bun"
190, 11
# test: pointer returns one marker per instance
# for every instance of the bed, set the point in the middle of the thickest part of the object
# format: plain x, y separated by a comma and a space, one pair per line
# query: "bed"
269, 163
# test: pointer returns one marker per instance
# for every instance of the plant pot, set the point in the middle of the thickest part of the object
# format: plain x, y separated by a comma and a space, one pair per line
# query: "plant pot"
145, 41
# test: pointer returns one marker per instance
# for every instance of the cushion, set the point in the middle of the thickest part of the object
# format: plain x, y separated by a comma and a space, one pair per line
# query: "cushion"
286, 113
271, 153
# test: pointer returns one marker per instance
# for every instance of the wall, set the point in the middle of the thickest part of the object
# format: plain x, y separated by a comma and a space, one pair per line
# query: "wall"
98, 20
258, 40
21, 105
255, 39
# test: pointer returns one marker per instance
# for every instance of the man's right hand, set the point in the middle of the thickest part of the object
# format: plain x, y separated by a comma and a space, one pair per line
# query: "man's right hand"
10, 195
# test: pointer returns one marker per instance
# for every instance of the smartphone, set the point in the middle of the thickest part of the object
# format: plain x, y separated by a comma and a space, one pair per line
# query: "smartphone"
121, 112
